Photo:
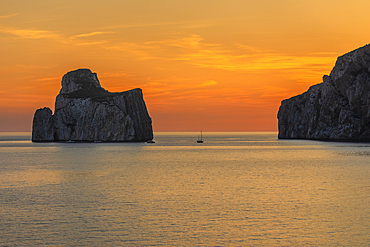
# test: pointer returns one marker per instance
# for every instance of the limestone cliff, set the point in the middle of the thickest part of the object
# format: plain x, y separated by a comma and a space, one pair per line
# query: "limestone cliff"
336, 109
84, 111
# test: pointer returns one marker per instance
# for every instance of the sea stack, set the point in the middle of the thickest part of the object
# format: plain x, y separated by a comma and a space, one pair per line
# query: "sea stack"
86, 112
338, 109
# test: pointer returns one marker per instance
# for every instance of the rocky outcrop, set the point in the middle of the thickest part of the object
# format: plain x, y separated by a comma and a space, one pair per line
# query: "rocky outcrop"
336, 109
42, 128
84, 111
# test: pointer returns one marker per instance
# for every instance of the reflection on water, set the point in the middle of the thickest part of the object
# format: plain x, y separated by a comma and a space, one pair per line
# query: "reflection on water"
235, 189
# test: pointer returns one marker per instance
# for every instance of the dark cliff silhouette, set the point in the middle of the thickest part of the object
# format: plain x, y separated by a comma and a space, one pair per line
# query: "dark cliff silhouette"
336, 109
84, 111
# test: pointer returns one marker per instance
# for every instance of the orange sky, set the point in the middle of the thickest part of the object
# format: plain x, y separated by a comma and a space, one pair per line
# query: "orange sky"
210, 65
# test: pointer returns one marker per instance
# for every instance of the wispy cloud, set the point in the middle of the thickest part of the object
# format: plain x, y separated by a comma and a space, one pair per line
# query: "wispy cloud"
192, 41
205, 55
45, 34
178, 24
139, 51
8, 16
49, 79
255, 62
89, 34
30, 33
195, 51
92, 43
55, 36
192, 50
207, 83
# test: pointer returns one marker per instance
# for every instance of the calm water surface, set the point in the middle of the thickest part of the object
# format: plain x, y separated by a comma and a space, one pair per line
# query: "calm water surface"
235, 189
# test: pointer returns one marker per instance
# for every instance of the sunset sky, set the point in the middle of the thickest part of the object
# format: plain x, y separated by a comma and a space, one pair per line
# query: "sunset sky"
211, 65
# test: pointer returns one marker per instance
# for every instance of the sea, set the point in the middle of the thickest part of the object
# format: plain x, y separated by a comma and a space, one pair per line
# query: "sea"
235, 189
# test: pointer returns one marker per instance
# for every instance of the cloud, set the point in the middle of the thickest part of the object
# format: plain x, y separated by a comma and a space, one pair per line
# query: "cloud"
192, 50
30, 33
214, 56
92, 43
8, 16
139, 51
179, 24
207, 83
195, 51
49, 79
44, 34
194, 25
89, 34
255, 62
190, 42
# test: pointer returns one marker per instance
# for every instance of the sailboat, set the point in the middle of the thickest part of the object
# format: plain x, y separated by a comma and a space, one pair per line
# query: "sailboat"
201, 138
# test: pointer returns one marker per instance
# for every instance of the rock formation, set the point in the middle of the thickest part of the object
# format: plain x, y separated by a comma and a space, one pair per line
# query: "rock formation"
336, 109
84, 111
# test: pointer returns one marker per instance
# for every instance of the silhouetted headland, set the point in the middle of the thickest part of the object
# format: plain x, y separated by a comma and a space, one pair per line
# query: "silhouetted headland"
84, 111
338, 109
